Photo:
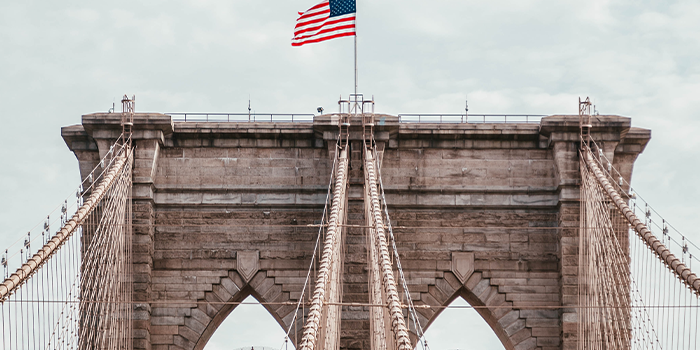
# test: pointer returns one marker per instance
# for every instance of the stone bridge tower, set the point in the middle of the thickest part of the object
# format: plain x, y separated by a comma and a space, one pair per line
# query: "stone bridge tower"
485, 212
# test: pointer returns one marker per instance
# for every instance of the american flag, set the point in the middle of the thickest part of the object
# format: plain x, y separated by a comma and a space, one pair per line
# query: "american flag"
327, 20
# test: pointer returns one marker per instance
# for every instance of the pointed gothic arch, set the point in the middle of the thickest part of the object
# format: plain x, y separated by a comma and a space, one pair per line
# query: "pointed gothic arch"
203, 318
460, 326
509, 323
261, 287
247, 325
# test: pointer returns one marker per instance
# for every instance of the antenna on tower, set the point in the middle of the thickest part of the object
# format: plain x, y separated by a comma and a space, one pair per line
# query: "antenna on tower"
466, 108
248, 107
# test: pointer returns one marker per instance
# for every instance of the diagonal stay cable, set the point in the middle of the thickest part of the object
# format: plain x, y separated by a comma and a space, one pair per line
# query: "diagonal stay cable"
673, 263
34, 263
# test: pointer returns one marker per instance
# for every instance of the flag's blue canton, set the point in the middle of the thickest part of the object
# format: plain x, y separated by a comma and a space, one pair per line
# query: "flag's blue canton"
341, 7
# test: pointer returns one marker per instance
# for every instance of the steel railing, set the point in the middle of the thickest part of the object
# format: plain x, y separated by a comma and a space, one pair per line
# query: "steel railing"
403, 118
471, 118
241, 117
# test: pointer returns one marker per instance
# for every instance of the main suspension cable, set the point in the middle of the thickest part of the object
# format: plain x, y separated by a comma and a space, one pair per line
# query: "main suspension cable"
402, 277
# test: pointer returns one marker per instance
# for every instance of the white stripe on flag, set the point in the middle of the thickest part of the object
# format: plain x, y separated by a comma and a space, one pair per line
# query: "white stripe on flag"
326, 30
315, 25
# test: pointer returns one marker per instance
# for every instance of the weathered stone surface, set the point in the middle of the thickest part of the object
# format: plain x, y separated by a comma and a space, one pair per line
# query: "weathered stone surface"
462, 265
485, 212
247, 264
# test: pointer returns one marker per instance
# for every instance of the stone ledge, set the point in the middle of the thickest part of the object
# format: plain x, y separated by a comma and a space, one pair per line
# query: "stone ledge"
142, 121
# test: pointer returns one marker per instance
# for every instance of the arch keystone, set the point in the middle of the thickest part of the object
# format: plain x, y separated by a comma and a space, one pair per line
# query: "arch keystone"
247, 264
462, 265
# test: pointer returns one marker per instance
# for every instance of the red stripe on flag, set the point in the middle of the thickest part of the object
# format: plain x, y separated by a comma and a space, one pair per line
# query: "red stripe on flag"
347, 26
315, 25
325, 3
323, 25
307, 15
324, 38
310, 22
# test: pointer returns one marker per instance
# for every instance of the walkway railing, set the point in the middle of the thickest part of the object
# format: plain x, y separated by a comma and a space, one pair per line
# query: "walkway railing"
471, 118
403, 118
242, 117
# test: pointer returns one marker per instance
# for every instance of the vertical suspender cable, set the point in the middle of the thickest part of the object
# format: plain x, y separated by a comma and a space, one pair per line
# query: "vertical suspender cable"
29, 267
670, 304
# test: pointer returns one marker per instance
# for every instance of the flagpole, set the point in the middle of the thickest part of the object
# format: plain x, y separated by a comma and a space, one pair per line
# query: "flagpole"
355, 63
356, 59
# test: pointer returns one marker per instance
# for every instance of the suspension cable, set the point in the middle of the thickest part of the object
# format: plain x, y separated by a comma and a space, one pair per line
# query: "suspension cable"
397, 321
311, 329
675, 264
34, 263
313, 256
409, 300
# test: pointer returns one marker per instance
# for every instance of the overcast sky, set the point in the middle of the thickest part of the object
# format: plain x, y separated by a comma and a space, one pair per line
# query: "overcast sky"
62, 59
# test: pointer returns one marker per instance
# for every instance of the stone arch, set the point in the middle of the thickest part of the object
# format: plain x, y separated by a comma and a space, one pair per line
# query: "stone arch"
202, 319
508, 323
